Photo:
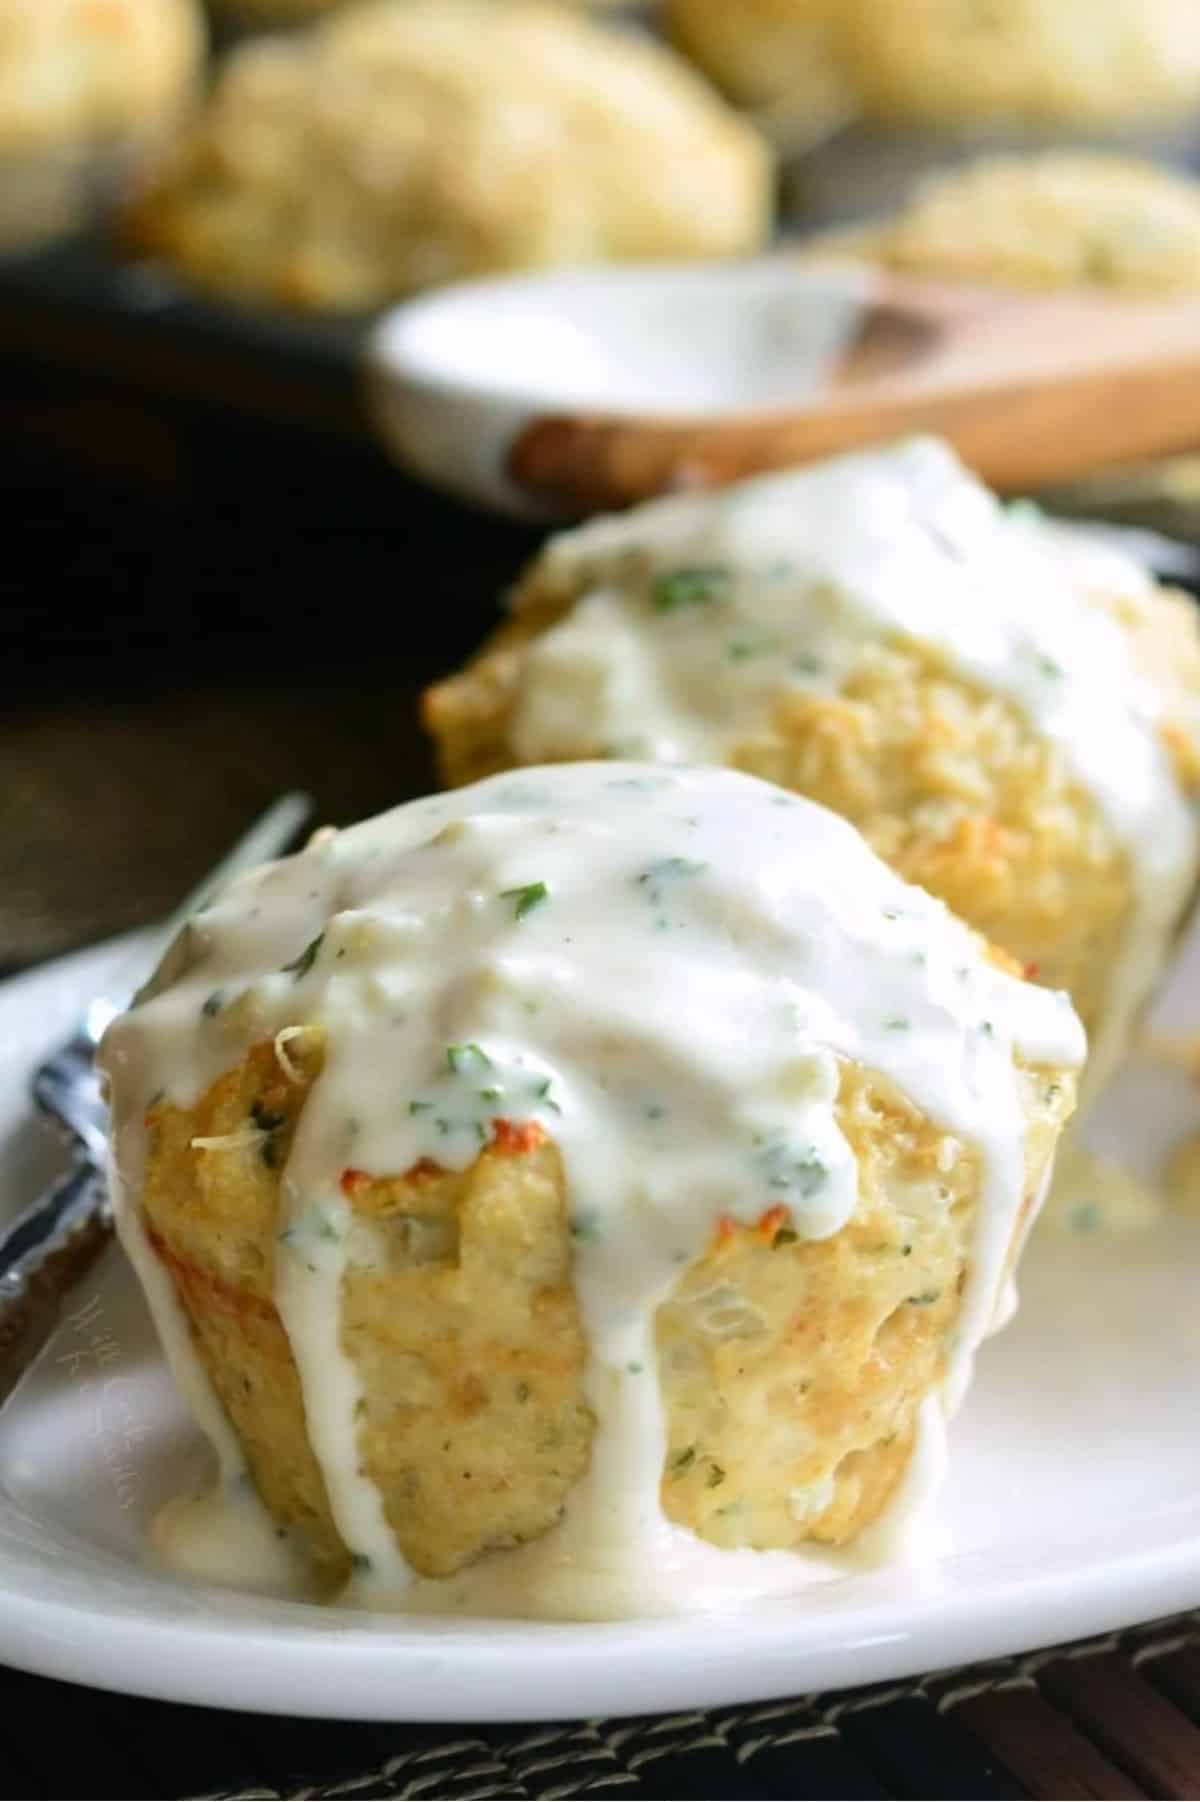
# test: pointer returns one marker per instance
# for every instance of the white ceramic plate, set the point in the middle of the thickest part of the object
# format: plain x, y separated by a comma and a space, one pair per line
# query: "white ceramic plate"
1073, 1507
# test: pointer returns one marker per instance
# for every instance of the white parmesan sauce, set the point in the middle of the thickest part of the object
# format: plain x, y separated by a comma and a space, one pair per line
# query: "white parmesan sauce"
662, 967
698, 613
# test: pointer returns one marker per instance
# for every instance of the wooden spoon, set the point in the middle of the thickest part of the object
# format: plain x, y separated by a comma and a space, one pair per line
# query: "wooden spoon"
1030, 389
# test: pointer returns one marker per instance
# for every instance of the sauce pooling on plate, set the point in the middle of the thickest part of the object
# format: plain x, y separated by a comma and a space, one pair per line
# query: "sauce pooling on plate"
777, 586
661, 967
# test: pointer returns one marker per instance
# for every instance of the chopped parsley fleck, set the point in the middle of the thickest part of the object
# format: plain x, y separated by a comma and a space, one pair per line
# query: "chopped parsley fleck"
419, 1107
925, 1299
360, 1561
312, 1224
694, 586
739, 649
665, 873
683, 1461
1049, 667
785, 1236
985, 1026
635, 1370
1085, 1219
655, 1111
715, 1477
522, 1392
266, 1119
586, 1227
527, 898
806, 664
214, 1004
896, 1024
543, 1095
295, 1237
300, 966
788, 1170
463, 1059
891, 913
490, 1094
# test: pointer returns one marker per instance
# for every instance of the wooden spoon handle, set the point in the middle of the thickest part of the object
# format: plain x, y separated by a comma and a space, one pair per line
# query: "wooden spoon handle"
1029, 389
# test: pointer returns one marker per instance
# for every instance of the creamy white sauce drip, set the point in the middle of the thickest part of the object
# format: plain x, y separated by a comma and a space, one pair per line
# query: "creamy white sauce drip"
696, 614
661, 966
226, 1534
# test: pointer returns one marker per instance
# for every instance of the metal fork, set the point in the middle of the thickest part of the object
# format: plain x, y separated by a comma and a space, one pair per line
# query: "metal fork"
66, 1086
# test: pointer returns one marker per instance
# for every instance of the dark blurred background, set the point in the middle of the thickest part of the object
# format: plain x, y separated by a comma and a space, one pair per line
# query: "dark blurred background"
215, 586
195, 614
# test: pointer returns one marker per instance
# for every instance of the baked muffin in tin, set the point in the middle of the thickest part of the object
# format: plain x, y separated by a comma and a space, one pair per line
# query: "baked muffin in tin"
404, 144
88, 89
569, 1189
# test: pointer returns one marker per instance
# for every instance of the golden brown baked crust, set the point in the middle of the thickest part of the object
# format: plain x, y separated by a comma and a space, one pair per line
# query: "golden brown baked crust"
1062, 219
408, 143
79, 73
773, 54
791, 1370
282, 12
474, 1426
1048, 62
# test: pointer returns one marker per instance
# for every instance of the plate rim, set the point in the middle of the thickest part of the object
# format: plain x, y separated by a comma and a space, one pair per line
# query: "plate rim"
450, 1671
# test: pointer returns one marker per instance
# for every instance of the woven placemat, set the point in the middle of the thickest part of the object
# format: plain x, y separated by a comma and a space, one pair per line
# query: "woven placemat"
1117, 1716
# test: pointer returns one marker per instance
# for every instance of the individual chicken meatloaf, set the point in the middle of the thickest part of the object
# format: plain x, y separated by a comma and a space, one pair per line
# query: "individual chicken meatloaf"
566, 1188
